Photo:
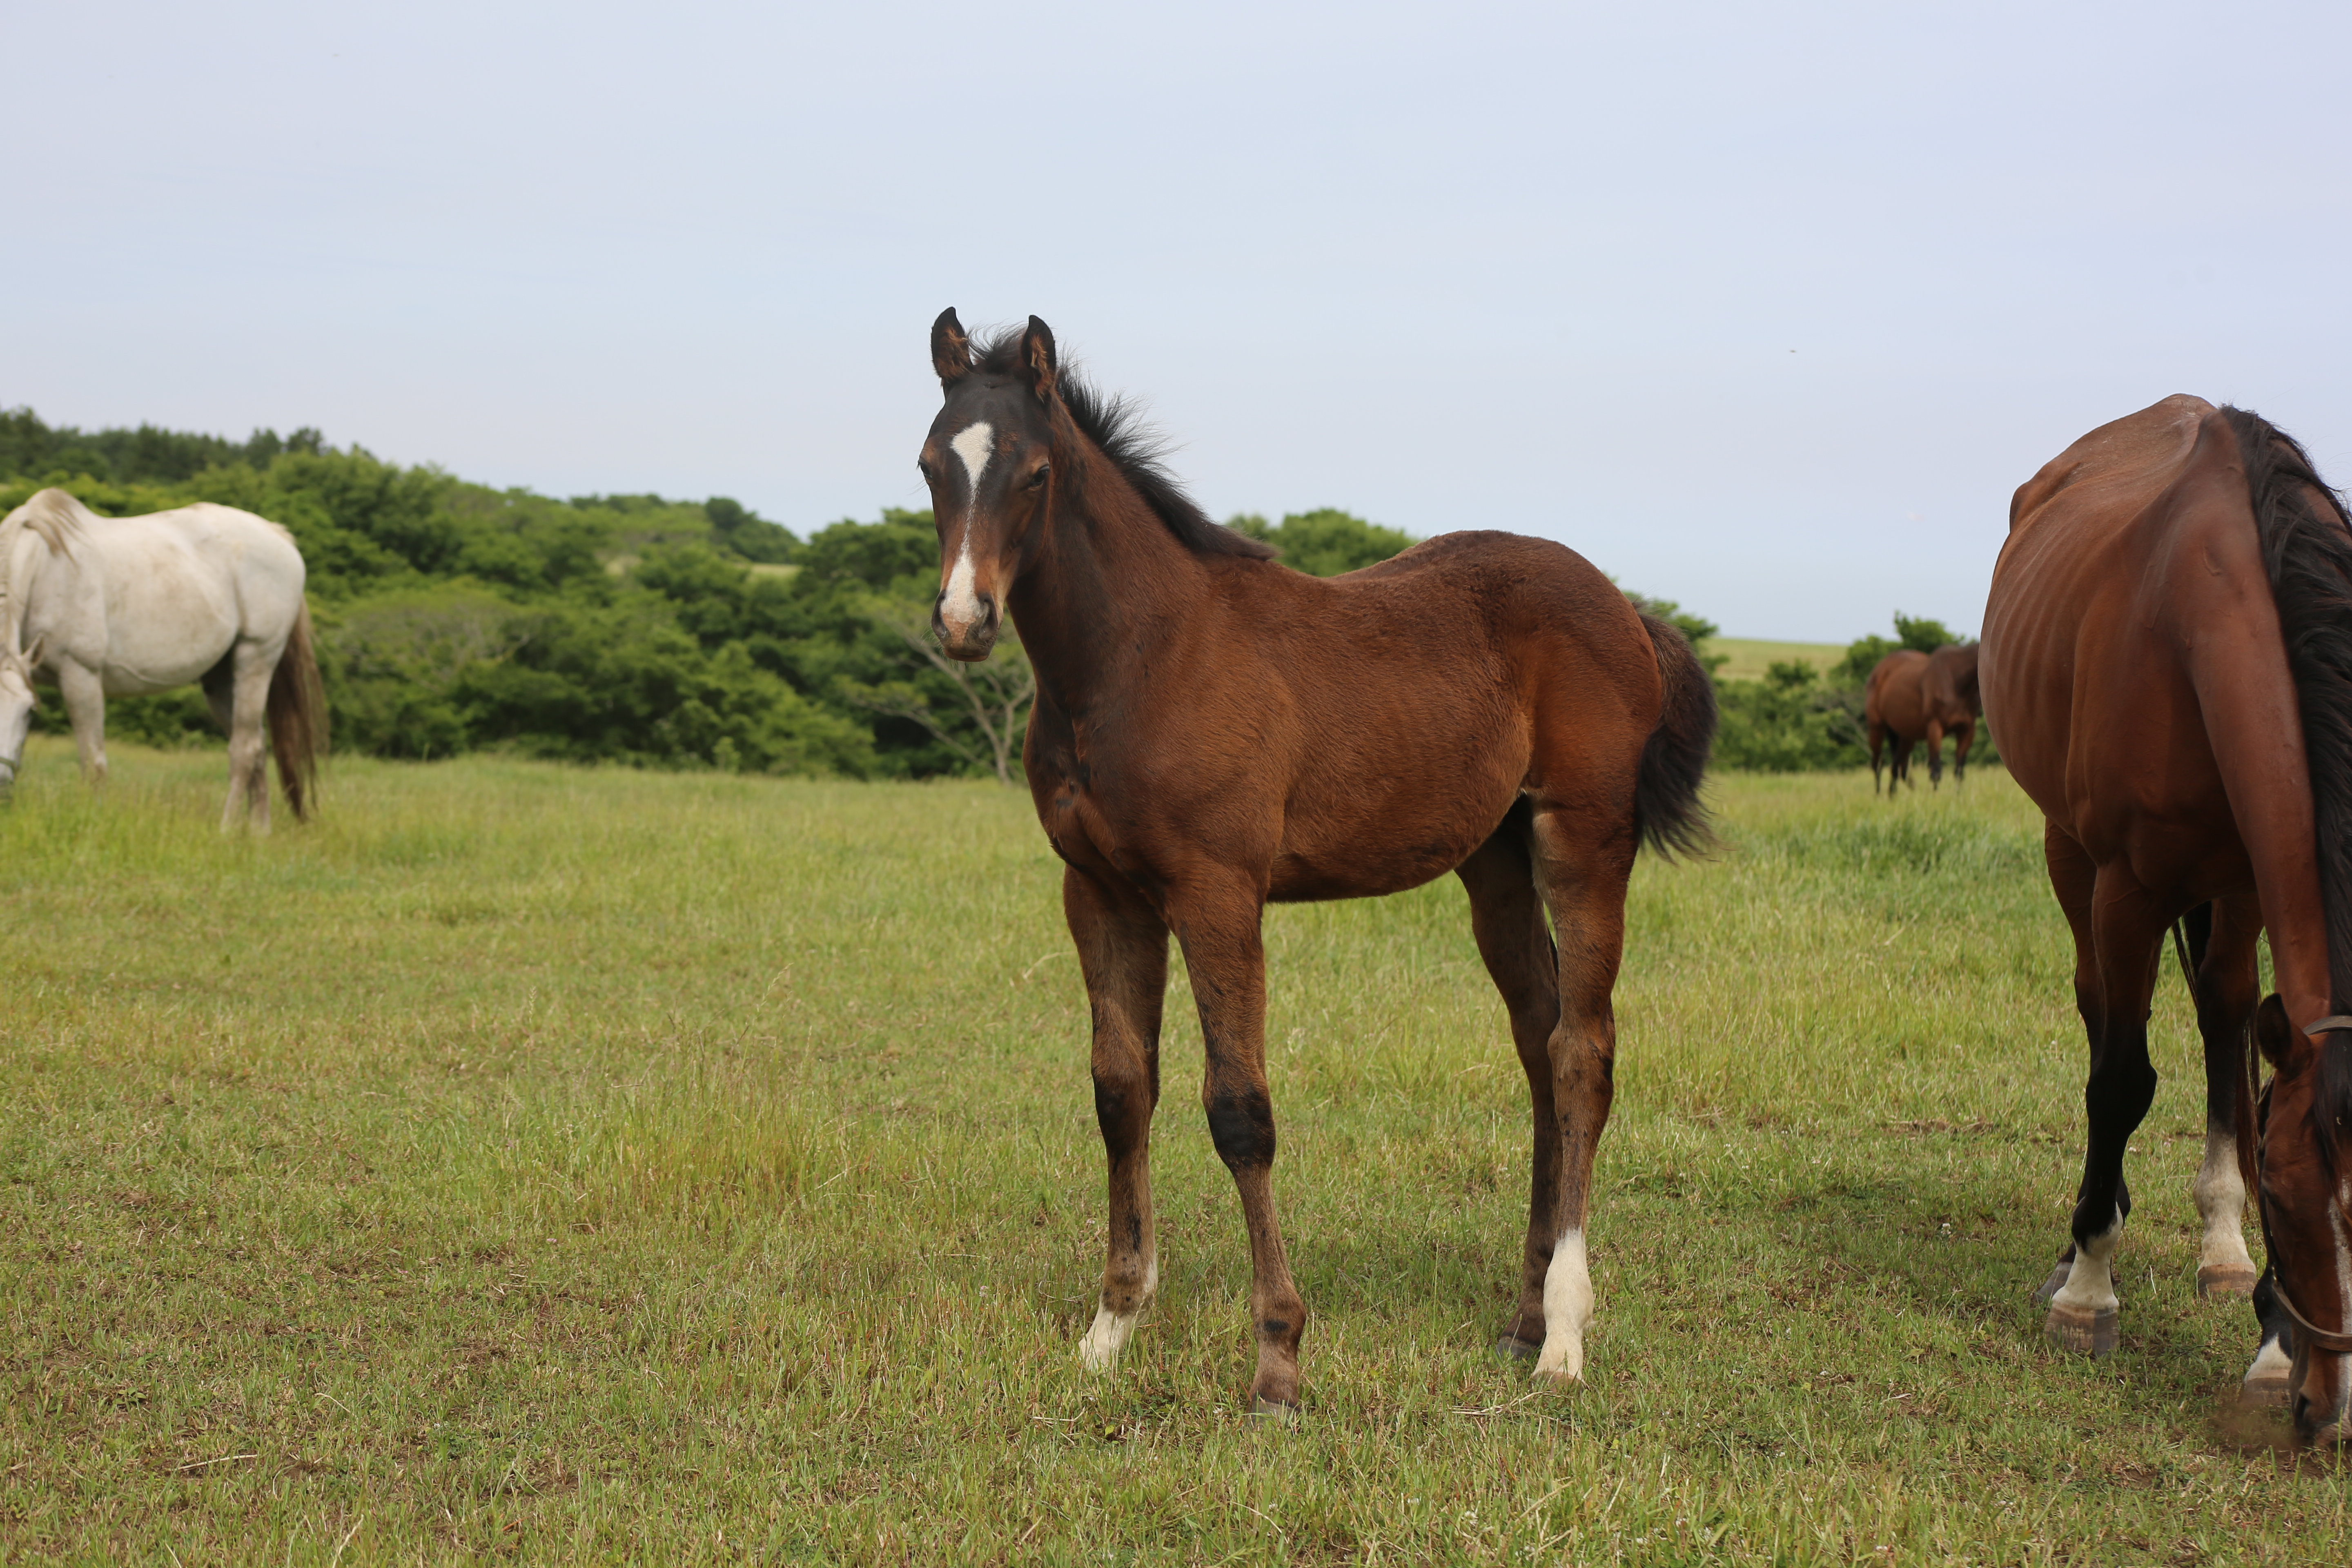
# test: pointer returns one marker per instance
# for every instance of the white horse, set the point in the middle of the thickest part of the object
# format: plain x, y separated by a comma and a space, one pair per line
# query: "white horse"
121, 606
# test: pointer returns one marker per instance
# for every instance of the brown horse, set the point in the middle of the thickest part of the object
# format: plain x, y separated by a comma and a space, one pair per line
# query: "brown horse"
1893, 709
2167, 654
1213, 731
1913, 697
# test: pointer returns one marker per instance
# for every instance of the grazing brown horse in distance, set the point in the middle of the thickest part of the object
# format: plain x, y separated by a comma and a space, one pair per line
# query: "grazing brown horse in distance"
1214, 731
1951, 701
1893, 709
1913, 697
2168, 656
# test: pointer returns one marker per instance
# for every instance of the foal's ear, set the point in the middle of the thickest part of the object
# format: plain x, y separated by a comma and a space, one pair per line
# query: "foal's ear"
2283, 1044
950, 350
1037, 361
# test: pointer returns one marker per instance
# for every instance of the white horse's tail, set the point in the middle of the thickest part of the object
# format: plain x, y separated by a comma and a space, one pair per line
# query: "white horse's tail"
298, 718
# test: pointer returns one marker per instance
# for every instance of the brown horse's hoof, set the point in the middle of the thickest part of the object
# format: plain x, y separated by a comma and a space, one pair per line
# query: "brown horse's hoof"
2082, 1332
2049, 1288
1274, 1410
2226, 1279
2268, 1389
1510, 1347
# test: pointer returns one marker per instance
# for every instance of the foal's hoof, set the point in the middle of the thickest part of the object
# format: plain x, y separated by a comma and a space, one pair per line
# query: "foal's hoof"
2048, 1290
2226, 1279
1510, 1347
2082, 1330
1274, 1412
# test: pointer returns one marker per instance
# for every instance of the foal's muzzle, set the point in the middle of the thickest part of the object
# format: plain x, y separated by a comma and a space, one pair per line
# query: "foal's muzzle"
972, 641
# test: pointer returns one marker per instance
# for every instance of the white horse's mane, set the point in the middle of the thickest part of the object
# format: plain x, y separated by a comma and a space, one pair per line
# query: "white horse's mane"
55, 518
54, 514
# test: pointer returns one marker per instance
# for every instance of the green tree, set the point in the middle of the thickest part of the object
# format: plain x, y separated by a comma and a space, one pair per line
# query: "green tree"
1789, 721
1326, 542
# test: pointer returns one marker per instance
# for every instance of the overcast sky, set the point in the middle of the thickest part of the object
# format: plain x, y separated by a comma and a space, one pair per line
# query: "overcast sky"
1764, 309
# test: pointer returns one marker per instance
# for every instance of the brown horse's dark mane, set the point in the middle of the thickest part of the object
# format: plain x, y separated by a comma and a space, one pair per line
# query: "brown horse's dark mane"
2307, 542
1115, 426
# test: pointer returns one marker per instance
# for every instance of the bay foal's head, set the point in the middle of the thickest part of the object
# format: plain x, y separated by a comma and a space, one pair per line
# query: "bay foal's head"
2303, 1170
988, 460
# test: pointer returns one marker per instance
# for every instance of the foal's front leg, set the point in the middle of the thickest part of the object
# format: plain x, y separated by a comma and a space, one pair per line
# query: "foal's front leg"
1123, 949
1227, 961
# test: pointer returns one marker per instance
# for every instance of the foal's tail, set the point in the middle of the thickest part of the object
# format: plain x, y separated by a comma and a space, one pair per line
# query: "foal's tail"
1666, 809
298, 718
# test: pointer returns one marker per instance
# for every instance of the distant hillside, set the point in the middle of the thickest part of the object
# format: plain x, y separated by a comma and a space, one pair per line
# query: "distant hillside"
1746, 658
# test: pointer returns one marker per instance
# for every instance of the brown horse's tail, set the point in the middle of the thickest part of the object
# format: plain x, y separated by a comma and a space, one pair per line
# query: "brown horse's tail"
1666, 809
298, 719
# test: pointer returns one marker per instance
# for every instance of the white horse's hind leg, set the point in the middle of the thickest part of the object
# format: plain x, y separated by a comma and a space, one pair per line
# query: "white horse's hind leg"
85, 697
248, 756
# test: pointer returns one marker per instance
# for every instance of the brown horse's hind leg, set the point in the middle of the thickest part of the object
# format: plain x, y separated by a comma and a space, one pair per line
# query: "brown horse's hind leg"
1877, 740
1583, 861
1226, 957
1508, 920
1965, 736
1935, 754
1123, 950
2116, 930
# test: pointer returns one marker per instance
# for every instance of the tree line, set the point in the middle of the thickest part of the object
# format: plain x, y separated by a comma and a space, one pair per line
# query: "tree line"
636, 629
452, 616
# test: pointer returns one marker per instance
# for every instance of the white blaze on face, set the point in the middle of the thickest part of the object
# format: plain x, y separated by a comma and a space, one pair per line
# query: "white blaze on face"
2343, 1250
1567, 1308
975, 444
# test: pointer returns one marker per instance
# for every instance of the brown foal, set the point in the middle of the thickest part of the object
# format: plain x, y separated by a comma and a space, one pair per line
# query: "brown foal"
1213, 731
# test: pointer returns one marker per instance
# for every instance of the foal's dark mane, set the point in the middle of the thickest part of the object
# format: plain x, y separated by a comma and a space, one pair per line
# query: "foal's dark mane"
2307, 543
1115, 425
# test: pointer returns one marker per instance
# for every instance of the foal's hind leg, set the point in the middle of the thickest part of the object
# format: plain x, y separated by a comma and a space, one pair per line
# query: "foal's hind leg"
1583, 858
1508, 920
1123, 950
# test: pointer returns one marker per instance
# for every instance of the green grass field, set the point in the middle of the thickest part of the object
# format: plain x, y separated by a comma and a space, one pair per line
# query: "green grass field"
597, 1165
1746, 658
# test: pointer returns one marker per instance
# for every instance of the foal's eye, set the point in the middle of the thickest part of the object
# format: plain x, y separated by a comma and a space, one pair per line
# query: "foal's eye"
1038, 480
